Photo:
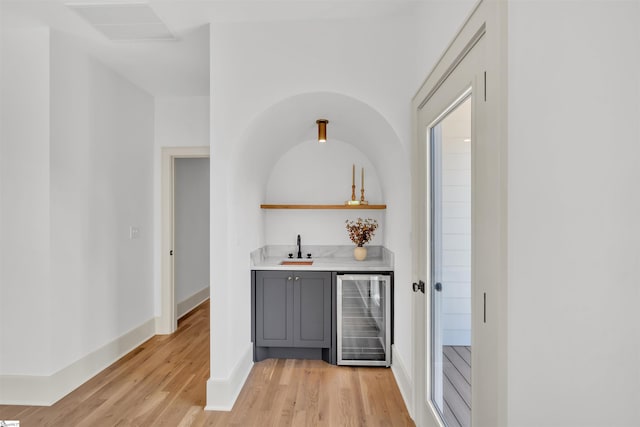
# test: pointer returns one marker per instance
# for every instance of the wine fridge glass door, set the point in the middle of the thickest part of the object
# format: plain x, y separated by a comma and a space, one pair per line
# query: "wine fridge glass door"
364, 324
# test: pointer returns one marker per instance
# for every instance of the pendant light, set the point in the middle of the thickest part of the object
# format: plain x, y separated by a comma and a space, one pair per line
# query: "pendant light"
322, 130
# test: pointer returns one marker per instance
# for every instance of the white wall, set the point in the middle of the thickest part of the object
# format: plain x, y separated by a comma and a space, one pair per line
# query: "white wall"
25, 288
456, 226
101, 184
191, 209
574, 205
313, 173
180, 121
77, 144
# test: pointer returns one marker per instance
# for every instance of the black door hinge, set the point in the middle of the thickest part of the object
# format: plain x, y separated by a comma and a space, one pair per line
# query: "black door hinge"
418, 286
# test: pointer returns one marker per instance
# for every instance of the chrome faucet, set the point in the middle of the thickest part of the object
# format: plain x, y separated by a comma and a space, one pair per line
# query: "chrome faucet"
299, 248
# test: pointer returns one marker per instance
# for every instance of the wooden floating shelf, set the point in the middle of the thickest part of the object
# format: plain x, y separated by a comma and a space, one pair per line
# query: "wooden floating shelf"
361, 207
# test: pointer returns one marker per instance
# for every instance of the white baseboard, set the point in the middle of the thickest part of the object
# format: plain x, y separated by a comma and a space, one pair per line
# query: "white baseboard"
192, 302
47, 390
222, 393
403, 379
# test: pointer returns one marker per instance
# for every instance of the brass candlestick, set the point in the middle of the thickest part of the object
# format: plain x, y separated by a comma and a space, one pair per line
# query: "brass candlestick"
353, 182
362, 199
353, 200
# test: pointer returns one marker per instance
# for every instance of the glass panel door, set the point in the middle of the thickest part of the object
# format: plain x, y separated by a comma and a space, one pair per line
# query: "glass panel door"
363, 311
450, 287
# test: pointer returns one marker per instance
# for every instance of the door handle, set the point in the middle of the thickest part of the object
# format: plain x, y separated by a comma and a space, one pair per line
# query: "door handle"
438, 287
418, 286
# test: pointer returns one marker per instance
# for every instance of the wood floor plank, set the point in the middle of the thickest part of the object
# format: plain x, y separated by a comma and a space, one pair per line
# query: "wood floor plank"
457, 385
449, 418
464, 352
163, 383
458, 362
458, 406
457, 380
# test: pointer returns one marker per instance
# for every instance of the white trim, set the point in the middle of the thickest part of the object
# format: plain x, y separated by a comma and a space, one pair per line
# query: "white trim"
186, 306
402, 379
48, 389
222, 393
168, 321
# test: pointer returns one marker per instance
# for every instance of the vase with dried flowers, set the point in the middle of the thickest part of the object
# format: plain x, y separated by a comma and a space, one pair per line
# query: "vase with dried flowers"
361, 231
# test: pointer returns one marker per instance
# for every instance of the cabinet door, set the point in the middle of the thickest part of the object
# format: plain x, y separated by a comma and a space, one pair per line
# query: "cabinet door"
274, 309
312, 309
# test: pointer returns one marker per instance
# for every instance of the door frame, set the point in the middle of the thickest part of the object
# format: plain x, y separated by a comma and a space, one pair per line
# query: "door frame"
488, 21
168, 322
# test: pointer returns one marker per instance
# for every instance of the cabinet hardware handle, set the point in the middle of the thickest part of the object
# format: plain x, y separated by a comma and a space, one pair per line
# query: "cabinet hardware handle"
289, 278
297, 278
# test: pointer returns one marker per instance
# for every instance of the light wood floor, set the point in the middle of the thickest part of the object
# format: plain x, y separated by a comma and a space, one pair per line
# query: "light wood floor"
162, 383
457, 385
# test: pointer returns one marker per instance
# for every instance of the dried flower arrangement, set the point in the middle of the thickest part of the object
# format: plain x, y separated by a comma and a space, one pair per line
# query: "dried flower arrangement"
361, 230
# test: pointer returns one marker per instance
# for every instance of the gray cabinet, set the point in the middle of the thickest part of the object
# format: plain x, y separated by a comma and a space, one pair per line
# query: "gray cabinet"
292, 313
312, 309
274, 309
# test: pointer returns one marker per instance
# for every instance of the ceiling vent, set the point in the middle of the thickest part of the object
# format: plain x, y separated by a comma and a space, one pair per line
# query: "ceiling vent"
124, 21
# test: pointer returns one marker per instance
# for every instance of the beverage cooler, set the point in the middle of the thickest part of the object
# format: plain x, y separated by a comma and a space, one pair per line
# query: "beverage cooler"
364, 320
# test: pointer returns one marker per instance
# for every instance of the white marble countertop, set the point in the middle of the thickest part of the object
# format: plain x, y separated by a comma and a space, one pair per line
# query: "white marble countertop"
324, 257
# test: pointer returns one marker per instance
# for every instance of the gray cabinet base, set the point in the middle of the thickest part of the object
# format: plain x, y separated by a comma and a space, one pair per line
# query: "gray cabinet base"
262, 353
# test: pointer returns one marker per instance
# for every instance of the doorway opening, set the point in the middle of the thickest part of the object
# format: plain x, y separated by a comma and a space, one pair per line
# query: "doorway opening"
191, 233
185, 229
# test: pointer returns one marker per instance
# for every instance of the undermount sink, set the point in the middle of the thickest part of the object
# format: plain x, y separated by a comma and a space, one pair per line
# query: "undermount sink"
297, 261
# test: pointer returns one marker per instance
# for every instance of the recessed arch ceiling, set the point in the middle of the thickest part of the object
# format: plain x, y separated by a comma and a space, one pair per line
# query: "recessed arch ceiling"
181, 68
293, 120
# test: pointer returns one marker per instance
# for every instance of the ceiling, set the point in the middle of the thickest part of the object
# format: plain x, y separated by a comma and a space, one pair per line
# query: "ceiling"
180, 67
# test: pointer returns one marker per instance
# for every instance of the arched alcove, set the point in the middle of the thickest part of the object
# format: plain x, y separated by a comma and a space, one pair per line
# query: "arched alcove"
273, 136
292, 121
